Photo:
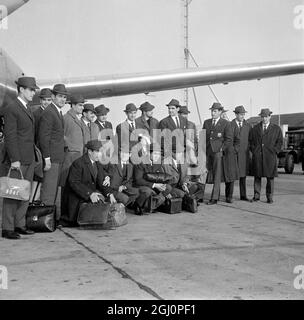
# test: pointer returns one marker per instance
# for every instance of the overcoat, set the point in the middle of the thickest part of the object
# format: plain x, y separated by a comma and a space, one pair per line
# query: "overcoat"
242, 149
264, 148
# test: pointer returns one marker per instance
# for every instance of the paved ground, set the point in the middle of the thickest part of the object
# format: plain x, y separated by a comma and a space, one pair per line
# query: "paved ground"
228, 251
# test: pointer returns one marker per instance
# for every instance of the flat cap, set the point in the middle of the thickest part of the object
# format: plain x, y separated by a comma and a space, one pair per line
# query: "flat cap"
94, 145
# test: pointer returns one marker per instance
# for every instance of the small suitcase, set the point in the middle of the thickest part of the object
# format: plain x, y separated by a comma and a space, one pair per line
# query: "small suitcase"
172, 206
39, 217
189, 203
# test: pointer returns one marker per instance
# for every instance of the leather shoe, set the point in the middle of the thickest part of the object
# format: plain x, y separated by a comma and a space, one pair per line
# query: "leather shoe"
138, 210
24, 231
8, 234
229, 200
269, 200
211, 202
244, 199
254, 199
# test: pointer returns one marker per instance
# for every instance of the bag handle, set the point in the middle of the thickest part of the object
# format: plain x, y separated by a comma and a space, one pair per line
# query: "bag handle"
10, 169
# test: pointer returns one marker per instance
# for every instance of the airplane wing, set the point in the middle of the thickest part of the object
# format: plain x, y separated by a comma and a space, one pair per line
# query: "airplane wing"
10, 6
118, 85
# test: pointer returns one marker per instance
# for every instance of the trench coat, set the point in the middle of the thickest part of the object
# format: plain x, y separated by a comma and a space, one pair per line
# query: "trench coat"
264, 148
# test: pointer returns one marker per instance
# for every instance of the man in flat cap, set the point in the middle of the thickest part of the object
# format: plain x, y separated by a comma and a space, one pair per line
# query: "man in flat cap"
51, 143
221, 159
91, 131
45, 96
241, 129
74, 135
86, 183
19, 137
125, 129
174, 122
265, 141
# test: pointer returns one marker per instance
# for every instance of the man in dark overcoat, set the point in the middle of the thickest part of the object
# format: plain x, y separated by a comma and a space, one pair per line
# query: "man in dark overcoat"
19, 144
241, 129
265, 141
86, 182
221, 158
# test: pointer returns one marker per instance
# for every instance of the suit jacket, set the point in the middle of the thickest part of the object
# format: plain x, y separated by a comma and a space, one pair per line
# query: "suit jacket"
51, 134
80, 184
74, 136
241, 146
220, 138
91, 133
19, 133
123, 133
121, 177
168, 123
142, 123
264, 148
37, 112
107, 125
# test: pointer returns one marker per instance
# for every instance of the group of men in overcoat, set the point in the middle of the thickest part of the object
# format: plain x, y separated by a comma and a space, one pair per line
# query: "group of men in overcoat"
70, 147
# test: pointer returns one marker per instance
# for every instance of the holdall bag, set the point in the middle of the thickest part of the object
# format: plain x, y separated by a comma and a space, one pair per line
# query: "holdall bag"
189, 203
117, 216
41, 218
12, 188
93, 213
157, 177
172, 206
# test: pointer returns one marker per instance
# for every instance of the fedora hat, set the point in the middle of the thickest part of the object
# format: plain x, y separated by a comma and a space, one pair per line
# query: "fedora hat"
27, 82
130, 107
173, 102
59, 89
183, 110
77, 98
45, 93
217, 105
239, 109
146, 106
265, 112
101, 110
94, 145
88, 107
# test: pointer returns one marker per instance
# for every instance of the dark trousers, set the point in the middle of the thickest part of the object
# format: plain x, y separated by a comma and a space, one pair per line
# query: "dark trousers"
215, 165
229, 186
269, 187
14, 211
127, 196
145, 194
242, 183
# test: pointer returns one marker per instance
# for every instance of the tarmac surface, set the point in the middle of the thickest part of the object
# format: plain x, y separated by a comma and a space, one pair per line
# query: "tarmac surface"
226, 251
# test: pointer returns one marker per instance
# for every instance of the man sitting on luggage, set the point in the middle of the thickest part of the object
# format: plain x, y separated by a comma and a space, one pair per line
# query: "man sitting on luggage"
87, 182
182, 184
148, 189
122, 182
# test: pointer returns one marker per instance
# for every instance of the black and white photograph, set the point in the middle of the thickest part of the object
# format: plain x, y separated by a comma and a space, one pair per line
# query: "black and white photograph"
151, 150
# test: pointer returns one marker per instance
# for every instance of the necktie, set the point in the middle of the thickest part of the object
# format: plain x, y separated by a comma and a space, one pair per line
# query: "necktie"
132, 126
213, 123
264, 128
177, 122
94, 169
240, 124
89, 124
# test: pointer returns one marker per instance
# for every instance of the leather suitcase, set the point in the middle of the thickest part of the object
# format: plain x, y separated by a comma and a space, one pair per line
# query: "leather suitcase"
90, 214
41, 218
189, 203
172, 206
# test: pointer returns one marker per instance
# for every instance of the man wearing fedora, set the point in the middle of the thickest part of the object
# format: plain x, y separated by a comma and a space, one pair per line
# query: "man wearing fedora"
241, 129
85, 184
45, 96
265, 141
91, 130
124, 130
146, 120
51, 143
73, 135
102, 115
19, 137
178, 124
221, 159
